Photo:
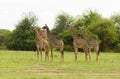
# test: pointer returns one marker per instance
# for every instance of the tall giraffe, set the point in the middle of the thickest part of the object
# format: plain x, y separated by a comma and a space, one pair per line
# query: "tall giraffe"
54, 42
41, 42
78, 42
91, 43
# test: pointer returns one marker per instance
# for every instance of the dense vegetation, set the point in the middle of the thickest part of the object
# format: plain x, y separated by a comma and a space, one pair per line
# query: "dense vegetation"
22, 38
105, 30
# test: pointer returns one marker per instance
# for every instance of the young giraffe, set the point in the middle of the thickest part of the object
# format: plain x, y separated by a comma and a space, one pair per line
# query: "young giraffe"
54, 42
78, 42
41, 42
91, 43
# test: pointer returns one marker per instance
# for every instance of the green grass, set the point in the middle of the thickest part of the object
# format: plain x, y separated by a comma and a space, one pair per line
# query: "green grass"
25, 65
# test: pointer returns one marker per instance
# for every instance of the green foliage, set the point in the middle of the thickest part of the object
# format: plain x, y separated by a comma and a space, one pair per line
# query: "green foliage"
23, 37
4, 34
116, 19
105, 30
98, 28
60, 22
89, 17
67, 39
60, 30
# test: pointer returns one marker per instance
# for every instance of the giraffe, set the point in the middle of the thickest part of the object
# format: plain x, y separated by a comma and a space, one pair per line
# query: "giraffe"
78, 42
41, 42
91, 43
54, 42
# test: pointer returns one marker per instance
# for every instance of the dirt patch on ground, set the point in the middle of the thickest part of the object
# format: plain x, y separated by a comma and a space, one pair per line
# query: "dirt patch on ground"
50, 73
102, 74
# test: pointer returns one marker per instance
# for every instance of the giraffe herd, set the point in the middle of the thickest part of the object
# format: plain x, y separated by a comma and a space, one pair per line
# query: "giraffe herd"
45, 38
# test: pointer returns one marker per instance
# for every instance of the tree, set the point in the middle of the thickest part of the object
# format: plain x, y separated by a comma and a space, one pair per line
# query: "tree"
87, 18
23, 37
116, 19
60, 22
60, 30
68, 40
3, 35
105, 30
98, 28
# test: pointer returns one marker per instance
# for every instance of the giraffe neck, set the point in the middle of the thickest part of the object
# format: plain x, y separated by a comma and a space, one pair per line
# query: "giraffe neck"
36, 34
85, 35
74, 34
49, 35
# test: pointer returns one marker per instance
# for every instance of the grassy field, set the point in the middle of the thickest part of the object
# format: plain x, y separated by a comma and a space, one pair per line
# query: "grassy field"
25, 65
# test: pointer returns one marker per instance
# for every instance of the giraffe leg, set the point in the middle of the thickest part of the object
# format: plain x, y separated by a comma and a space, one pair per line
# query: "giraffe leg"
96, 56
46, 55
89, 54
41, 53
37, 52
76, 50
62, 55
86, 56
51, 54
97, 53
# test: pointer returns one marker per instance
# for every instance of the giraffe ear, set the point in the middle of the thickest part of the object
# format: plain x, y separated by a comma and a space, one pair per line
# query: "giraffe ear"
80, 27
32, 25
70, 23
67, 23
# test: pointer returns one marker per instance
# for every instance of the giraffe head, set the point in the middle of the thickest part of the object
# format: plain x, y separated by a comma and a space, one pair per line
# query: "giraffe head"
69, 25
81, 28
45, 27
34, 27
